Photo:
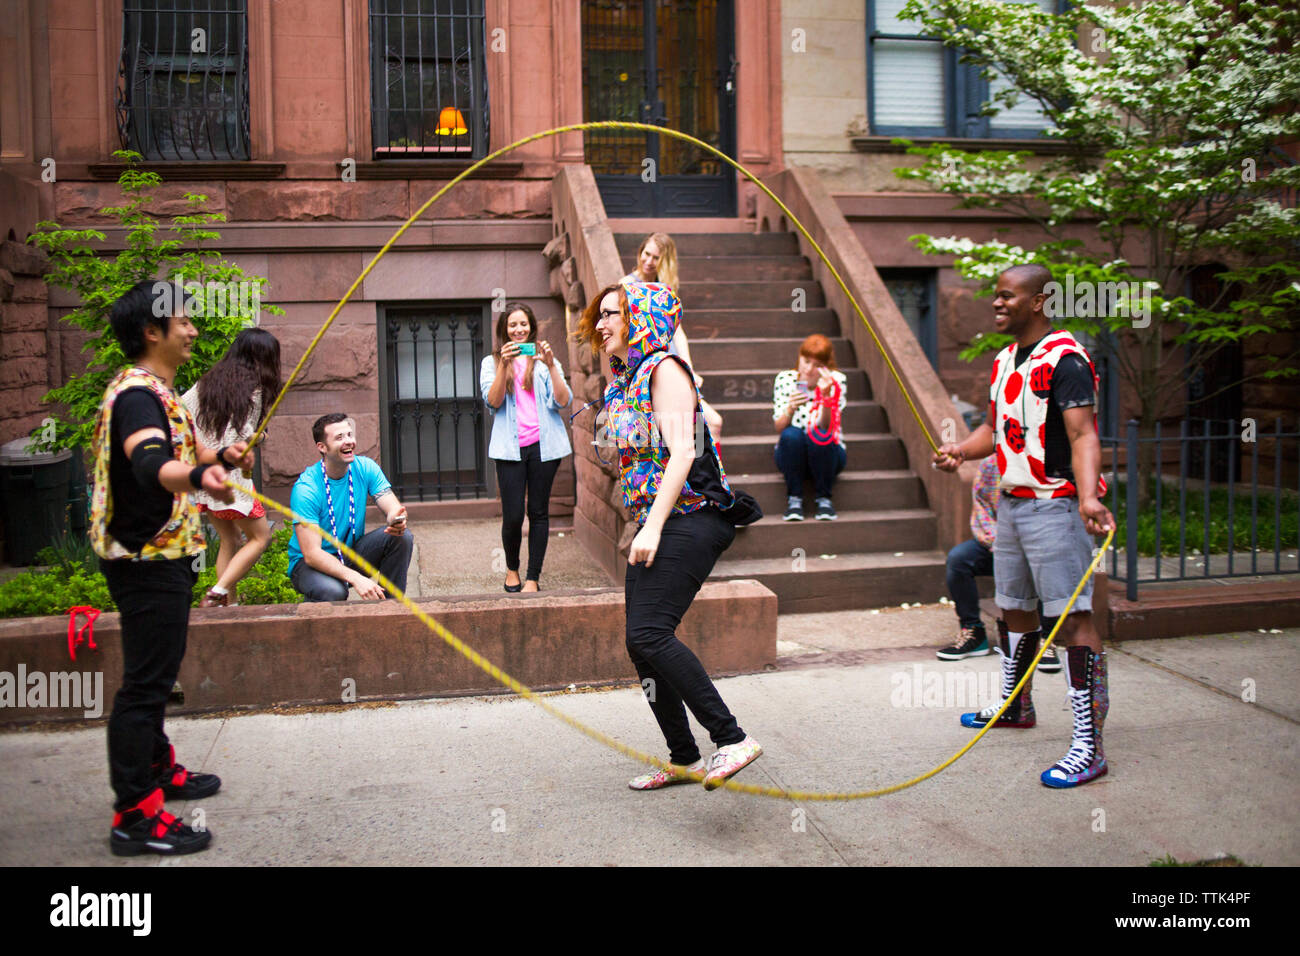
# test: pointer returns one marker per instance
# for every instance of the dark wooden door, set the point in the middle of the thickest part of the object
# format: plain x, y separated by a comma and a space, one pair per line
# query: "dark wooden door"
669, 63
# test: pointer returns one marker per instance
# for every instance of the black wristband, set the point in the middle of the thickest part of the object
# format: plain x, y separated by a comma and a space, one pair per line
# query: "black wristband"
221, 456
196, 475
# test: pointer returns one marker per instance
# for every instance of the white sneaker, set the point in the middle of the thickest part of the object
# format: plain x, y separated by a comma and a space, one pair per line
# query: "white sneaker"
730, 760
666, 778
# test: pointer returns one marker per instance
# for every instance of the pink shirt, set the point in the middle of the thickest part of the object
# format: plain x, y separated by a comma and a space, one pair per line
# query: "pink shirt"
525, 407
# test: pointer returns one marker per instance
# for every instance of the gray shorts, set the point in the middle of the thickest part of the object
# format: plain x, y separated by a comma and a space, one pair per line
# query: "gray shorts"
1040, 553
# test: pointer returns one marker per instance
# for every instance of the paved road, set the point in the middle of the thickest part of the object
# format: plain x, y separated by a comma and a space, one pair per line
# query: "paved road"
1196, 772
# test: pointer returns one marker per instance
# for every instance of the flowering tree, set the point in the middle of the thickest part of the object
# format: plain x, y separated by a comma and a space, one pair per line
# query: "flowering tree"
216, 294
1170, 114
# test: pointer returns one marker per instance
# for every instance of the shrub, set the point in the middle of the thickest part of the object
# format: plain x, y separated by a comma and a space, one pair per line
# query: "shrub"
74, 580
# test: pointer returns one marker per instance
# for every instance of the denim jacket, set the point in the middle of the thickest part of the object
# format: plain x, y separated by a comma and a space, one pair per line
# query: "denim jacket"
504, 445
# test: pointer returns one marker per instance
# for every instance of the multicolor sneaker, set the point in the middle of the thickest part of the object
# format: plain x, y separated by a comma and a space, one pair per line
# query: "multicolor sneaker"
662, 777
1020, 713
730, 760
148, 828
825, 510
180, 784
1090, 701
793, 508
972, 643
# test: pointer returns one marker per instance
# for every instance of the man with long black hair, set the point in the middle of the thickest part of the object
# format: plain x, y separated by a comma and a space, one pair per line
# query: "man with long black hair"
145, 529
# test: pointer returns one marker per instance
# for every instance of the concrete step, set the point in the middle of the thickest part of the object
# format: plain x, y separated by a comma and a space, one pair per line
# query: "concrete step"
841, 581
755, 418
752, 454
736, 268
755, 384
718, 244
750, 294
903, 529
759, 352
733, 323
854, 491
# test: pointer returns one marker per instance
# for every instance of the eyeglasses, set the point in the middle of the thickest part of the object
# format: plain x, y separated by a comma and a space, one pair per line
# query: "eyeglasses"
609, 313
594, 442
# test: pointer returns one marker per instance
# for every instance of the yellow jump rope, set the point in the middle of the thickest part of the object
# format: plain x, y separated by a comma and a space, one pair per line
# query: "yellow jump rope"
496, 673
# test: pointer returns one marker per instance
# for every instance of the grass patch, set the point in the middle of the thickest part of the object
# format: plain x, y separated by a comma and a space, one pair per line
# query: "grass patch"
1196, 517
1226, 860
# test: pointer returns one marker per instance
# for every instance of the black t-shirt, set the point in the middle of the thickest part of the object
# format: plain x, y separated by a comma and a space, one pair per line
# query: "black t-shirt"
139, 512
1071, 387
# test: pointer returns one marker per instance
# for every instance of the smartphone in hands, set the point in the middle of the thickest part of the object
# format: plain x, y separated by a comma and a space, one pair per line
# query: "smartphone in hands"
527, 348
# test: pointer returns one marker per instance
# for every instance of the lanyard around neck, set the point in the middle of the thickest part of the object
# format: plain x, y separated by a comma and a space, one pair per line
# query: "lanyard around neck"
329, 503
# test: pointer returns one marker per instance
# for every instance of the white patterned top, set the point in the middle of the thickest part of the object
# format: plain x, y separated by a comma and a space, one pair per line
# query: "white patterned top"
243, 503
783, 390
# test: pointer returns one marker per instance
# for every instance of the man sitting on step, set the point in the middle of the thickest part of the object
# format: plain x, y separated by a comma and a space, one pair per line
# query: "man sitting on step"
332, 494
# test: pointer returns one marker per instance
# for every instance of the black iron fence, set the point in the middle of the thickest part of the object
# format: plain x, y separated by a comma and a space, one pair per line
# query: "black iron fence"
428, 76
435, 441
183, 79
1215, 499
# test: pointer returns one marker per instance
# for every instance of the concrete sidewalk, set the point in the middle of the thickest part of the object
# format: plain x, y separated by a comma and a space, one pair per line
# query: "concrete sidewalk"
1195, 772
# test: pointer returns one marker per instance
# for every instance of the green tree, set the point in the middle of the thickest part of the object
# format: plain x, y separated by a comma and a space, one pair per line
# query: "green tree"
219, 296
1170, 114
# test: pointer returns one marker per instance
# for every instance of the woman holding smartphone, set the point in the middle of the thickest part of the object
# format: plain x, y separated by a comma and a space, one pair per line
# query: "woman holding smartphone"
524, 389
676, 494
807, 404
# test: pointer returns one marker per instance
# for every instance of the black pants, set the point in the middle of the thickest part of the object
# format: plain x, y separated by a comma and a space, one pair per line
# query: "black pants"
799, 457
387, 552
966, 562
672, 677
536, 476
154, 600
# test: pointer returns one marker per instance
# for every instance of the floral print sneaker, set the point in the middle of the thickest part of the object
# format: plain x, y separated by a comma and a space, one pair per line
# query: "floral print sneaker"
665, 778
730, 760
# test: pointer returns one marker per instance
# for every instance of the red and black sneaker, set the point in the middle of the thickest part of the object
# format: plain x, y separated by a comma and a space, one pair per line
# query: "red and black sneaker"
180, 784
148, 828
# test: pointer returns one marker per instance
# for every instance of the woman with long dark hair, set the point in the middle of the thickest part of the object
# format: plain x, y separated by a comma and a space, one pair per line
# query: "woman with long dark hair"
524, 389
677, 497
227, 404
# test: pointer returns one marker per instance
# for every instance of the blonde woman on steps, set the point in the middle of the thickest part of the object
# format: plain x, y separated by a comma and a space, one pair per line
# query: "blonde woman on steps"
656, 261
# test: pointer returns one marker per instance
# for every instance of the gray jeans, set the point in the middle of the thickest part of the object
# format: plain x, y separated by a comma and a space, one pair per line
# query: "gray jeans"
1041, 551
390, 554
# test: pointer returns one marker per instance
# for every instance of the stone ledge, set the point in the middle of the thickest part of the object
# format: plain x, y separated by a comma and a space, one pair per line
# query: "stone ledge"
302, 654
1213, 607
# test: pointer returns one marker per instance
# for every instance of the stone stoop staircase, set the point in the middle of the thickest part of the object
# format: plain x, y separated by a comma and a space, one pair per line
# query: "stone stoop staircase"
737, 292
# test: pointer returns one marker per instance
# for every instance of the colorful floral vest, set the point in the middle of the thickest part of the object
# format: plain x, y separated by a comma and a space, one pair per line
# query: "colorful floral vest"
1019, 398
182, 535
642, 454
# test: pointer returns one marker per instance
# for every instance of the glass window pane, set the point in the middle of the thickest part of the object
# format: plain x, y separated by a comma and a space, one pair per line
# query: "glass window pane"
909, 88
887, 20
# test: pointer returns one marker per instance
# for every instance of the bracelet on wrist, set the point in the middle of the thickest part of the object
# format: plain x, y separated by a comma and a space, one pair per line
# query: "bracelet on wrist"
221, 456
196, 475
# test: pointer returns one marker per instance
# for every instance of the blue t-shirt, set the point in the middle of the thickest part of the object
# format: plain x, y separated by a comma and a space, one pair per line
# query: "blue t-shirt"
308, 501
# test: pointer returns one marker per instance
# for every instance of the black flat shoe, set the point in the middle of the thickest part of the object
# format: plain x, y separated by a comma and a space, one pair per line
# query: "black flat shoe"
514, 588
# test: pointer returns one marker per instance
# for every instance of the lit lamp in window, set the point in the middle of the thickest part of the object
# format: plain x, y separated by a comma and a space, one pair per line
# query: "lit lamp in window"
451, 122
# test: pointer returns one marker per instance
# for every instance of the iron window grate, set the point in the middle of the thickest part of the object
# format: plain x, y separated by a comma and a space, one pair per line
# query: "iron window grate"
182, 89
428, 78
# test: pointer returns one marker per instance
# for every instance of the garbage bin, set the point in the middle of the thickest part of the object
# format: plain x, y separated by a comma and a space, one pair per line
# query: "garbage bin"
34, 487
